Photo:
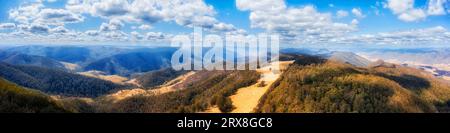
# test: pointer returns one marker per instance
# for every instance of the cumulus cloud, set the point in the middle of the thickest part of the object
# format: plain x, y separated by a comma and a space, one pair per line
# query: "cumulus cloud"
113, 25
406, 11
293, 23
92, 32
183, 12
341, 13
59, 29
58, 16
145, 27
412, 15
109, 8
157, 36
37, 13
25, 13
7, 26
436, 7
136, 35
427, 36
35, 28
358, 13
355, 22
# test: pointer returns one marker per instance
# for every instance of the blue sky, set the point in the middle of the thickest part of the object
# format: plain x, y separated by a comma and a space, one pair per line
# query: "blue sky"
407, 22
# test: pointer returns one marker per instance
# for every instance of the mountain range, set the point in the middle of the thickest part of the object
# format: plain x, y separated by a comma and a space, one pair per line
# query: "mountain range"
140, 80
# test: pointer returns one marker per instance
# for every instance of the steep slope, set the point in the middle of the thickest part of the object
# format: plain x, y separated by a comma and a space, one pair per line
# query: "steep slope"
329, 86
246, 99
56, 81
15, 99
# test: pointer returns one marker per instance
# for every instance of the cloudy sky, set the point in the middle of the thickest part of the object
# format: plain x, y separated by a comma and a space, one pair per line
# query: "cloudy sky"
389, 22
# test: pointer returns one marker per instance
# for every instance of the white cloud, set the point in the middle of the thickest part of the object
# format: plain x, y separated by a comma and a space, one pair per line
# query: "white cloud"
49, 1
145, 27
58, 16
355, 22
25, 13
156, 36
36, 12
110, 8
427, 36
183, 12
92, 32
412, 15
59, 29
358, 13
7, 26
38, 28
436, 7
293, 23
400, 6
407, 12
113, 25
341, 14
136, 35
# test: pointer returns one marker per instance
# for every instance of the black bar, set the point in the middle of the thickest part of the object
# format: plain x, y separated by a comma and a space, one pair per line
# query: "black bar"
168, 122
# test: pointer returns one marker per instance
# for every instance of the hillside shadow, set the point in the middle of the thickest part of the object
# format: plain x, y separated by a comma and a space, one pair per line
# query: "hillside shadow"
302, 59
443, 107
409, 81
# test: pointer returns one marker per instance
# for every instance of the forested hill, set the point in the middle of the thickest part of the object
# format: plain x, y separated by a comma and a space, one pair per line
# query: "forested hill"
16, 99
312, 84
56, 82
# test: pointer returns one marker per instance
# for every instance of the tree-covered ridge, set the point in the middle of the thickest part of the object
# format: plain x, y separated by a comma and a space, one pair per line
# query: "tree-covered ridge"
214, 89
15, 99
158, 77
56, 82
327, 86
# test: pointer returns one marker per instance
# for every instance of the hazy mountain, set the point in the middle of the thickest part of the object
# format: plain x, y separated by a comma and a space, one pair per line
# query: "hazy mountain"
133, 62
344, 57
436, 57
34, 60
56, 81
350, 58
71, 54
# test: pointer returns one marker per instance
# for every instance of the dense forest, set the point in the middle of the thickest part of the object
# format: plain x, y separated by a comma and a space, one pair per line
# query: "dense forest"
16, 99
158, 77
56, 82
214, 90
312, 84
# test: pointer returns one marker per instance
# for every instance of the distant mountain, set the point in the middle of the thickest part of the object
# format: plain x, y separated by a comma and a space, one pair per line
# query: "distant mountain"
344, 57
133, 62
56, 81
350, 58
436, 57
304, 51
72, 54
16, 99
33, 60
